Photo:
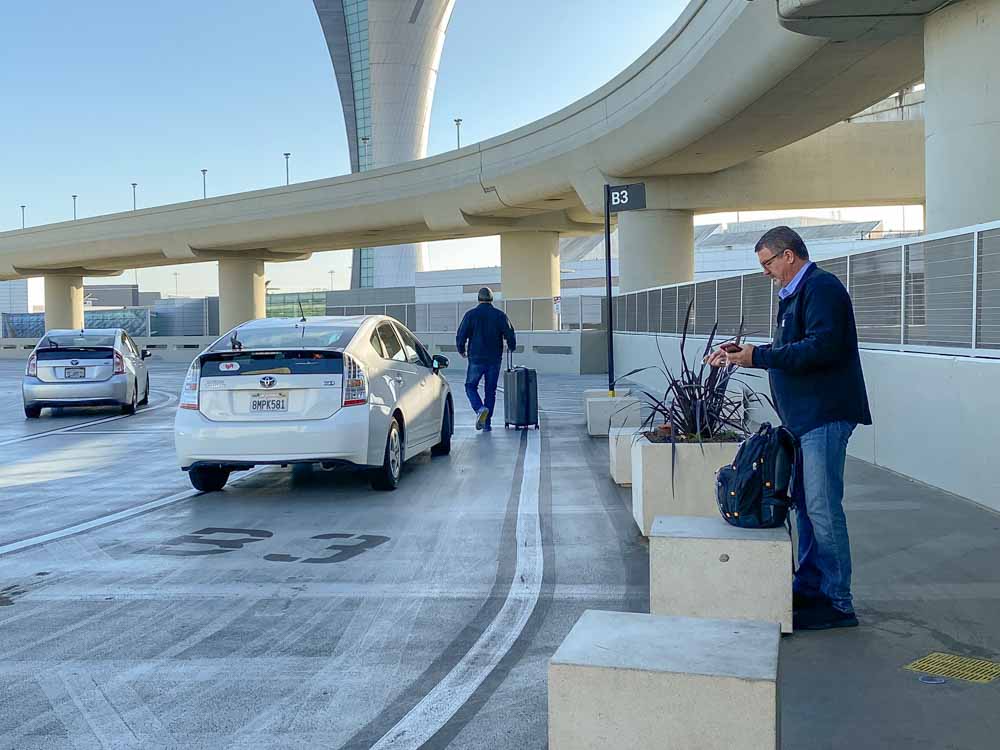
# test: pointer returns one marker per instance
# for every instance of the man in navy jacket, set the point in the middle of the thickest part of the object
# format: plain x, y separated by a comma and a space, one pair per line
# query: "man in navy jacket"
481, 337
819, 390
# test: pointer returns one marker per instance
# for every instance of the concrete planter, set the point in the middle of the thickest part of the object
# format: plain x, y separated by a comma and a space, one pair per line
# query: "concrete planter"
620, 441
606, 413
691, 474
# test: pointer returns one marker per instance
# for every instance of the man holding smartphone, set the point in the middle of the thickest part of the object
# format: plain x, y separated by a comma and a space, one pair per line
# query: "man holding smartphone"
814, 369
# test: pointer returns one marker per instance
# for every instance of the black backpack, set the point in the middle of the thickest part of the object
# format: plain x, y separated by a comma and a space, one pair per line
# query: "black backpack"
755, 491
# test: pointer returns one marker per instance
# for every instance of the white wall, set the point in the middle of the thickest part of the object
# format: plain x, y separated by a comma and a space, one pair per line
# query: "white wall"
933, 415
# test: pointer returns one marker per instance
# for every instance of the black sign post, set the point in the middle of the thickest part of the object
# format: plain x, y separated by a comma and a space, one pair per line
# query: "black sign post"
617, 198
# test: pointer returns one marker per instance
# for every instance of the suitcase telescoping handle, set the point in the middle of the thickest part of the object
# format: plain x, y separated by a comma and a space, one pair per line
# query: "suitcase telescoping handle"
510, 360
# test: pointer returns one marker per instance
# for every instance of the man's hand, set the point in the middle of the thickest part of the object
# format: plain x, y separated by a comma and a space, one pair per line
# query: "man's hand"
742, 358
716, 358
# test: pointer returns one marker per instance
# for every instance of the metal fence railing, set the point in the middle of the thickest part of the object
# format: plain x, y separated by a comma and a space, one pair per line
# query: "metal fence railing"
538, 313
936, 293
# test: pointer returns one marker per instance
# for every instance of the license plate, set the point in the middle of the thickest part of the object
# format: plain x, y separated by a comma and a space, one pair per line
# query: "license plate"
267, 403
75, 373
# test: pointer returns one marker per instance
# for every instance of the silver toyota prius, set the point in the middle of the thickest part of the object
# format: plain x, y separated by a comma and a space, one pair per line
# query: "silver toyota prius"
346, 391
88, 367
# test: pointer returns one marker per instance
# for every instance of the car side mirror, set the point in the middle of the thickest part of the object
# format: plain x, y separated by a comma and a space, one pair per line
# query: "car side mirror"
146, 354
439, 362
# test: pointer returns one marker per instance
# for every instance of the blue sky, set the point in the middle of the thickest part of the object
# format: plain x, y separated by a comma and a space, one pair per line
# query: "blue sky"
100, 94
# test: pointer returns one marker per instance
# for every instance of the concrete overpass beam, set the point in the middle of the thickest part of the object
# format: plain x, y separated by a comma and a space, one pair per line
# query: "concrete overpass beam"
241, 292
655, 247
63, 302
529, 267
962, 116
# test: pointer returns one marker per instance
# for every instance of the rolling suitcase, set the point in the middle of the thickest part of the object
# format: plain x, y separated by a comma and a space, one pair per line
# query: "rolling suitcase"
520, 390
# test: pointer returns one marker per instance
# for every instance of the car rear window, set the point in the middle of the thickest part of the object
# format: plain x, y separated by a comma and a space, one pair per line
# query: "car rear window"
68, 353
273, 363
301, 336
76, 340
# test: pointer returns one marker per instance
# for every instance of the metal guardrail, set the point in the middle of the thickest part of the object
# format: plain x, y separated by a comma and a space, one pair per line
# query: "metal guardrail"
935, 293
536, 313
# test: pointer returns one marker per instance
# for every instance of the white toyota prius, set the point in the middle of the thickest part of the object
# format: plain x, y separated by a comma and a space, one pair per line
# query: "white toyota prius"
360, 392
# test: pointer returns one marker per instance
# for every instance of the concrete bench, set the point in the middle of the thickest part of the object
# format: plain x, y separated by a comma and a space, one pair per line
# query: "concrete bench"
590, 393
620, 454
703, 567
636, 681
605, 413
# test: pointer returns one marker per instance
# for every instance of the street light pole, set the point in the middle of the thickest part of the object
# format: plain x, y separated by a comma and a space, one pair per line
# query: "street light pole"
74, 206
458, 132
204, 184
133, 194
22, 216
331, 280
364, 140
287, 173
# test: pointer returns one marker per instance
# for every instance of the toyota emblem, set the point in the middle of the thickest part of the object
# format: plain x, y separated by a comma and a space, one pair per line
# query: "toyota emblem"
74, 361
267, 381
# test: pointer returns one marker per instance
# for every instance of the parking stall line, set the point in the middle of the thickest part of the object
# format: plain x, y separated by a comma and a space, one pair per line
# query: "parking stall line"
170, 399
456, 687
101, 521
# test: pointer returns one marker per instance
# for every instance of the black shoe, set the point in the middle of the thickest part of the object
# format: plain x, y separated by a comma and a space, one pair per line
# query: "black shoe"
823, 617
807, 601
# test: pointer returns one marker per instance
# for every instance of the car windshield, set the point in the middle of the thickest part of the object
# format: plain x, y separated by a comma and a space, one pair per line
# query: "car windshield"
301, 336
81, 340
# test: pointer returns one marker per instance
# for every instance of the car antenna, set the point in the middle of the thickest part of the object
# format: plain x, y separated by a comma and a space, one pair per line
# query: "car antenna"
301, 311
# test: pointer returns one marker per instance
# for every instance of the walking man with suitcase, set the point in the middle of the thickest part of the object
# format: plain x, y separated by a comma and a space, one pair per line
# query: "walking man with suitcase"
480, 338
819, 390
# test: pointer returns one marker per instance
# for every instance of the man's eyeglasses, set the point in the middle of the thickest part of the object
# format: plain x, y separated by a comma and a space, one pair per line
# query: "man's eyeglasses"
766, 263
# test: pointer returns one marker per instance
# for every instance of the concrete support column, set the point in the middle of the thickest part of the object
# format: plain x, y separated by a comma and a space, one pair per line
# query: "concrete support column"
63, 302
655, 247
241, 292
962, 120
529, 267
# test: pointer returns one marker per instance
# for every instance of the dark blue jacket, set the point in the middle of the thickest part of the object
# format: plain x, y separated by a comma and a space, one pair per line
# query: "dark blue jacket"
813, 363
482, 333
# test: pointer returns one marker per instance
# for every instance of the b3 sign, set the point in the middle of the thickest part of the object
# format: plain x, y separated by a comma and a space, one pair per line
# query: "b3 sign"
626, 197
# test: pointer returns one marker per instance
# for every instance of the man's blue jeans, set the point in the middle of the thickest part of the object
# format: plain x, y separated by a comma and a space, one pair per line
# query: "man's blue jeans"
824, 548
477, 371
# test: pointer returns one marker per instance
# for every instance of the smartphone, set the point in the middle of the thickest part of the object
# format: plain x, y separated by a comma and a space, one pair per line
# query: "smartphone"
731, 348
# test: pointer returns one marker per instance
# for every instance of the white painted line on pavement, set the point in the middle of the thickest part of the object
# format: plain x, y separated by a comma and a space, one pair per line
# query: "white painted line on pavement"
122, 515
171, 398
451, 693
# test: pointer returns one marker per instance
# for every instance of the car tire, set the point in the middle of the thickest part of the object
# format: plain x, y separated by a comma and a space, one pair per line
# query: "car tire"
386, 477
145, 394
208, 478
32, 412
447, 428
130, 407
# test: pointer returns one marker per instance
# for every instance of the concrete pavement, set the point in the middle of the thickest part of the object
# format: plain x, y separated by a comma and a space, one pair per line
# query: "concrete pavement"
301, 609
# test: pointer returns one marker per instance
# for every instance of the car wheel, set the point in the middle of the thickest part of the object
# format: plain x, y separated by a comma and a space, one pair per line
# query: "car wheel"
386, 477
129, 408
32, 412
208, 478
145, 394
447, 428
